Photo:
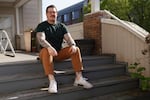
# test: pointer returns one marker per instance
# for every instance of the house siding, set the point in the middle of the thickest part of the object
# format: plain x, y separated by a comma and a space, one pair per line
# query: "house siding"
126, 45
30, 15
8, 11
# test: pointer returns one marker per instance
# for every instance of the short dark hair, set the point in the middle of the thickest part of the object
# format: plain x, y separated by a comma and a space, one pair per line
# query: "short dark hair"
50, 6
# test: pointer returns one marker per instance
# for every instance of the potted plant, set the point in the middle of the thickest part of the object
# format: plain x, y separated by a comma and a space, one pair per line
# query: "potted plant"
136, 71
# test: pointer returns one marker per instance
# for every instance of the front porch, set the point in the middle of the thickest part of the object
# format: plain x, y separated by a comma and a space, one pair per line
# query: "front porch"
22, 76
20, 57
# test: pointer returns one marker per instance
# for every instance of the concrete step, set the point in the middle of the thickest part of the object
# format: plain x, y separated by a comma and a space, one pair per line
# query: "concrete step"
21, 81
101, 87
134, 94
36, 66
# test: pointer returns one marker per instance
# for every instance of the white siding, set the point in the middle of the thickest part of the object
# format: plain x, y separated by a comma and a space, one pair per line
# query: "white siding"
30, 15
76, 30
126, 45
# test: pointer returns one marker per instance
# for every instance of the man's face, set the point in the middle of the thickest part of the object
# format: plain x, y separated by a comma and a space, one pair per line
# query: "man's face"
51, 14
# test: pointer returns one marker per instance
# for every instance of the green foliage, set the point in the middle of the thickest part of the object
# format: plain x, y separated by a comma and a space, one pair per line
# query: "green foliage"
136, 11
145, 84
137, 72
87, 8
140, 13
119, 8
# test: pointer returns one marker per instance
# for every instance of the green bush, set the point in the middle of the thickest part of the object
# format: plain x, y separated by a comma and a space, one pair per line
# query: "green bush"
136, 71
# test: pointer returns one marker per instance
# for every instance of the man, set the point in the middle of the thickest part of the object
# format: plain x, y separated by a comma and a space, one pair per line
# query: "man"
50, 35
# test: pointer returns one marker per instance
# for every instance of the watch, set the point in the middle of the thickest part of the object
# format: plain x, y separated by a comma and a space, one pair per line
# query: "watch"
73, 44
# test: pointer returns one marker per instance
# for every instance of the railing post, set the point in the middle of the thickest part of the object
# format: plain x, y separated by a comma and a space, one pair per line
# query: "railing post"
95, 5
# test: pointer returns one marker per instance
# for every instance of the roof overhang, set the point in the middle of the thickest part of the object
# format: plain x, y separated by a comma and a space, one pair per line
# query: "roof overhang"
12, 3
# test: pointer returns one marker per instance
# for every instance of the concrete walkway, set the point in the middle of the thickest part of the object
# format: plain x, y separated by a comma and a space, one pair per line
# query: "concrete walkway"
20, 56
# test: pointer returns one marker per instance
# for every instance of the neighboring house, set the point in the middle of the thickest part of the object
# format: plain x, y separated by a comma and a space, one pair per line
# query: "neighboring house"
72, 14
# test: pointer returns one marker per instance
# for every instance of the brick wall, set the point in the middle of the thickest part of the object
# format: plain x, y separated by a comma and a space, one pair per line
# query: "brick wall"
92, 30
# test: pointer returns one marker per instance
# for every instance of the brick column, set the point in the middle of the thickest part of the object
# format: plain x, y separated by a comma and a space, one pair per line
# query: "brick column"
92, 30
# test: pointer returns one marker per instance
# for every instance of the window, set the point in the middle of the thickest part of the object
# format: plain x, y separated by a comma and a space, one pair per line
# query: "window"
66, 17
75, 15
59, 19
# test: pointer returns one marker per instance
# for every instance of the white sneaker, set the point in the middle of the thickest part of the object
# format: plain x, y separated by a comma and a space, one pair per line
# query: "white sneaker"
52, 86
83, 82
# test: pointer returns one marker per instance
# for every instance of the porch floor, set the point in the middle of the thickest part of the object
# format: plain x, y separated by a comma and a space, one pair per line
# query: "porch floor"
20, 56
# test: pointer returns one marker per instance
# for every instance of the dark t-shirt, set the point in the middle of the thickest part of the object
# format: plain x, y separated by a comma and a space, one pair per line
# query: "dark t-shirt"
54, 33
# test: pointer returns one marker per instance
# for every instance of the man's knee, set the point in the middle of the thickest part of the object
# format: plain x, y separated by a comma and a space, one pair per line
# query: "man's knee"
78, 49
43, 53
44, 50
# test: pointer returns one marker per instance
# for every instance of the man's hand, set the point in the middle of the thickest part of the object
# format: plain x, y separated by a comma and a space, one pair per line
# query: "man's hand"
73, 49
52, 51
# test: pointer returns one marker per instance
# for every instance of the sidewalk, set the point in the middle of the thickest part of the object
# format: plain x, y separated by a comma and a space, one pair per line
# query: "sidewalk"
20, 56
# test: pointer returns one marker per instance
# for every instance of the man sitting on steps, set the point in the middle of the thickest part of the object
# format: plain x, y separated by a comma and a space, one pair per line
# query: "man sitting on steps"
50, 35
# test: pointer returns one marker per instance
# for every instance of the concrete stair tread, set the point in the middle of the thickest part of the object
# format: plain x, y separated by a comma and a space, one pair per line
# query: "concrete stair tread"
19, 77
19, 62
104, 66
134, 94
29, 76
65, 88
37, 61
23, 80
96, 57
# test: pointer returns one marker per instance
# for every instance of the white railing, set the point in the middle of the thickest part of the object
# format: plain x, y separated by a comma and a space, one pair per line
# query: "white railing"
126, 40
129, 27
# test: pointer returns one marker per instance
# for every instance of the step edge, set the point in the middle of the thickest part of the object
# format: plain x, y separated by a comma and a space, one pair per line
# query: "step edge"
4, 79
71, 88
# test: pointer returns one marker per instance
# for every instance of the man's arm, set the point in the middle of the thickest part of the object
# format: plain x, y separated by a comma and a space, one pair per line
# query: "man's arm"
41, 39
69, 39
70, 42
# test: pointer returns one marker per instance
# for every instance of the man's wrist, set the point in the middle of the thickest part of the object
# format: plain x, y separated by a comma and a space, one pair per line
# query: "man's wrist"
73, 44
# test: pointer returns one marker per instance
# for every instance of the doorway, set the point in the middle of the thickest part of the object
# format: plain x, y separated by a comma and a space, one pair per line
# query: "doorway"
7, 23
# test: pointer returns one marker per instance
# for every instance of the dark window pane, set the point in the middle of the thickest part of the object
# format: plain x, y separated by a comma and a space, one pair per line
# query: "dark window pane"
66, 17
75, 15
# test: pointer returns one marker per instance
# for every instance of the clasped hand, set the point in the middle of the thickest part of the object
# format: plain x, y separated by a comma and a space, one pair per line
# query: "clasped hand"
53, 52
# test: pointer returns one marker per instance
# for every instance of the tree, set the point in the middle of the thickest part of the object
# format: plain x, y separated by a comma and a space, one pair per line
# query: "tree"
87, 7
136, 11
140, 13
119, 8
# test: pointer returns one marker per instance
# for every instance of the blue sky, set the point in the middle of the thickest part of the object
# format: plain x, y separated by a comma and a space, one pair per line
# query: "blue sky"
60, 4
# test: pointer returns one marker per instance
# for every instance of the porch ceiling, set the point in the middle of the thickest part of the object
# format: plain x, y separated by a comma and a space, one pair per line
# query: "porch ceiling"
8, 3
7, 0
12, 3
